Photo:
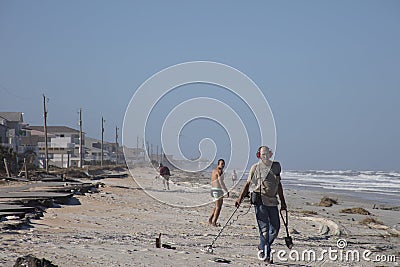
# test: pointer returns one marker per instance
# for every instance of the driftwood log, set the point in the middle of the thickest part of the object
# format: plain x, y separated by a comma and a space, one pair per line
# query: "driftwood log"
32, 261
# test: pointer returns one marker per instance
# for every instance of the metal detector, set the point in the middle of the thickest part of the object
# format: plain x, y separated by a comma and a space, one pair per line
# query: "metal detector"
210, 247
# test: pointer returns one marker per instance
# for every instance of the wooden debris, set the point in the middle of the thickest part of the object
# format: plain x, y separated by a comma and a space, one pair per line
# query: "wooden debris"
327, 202
384, 207
29, 200
32, 261
361, 211
308, 212
370, 220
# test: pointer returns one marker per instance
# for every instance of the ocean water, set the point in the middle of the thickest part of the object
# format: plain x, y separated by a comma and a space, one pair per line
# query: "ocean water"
377, 186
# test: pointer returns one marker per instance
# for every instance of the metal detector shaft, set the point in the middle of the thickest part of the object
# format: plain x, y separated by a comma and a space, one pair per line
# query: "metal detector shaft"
220, 231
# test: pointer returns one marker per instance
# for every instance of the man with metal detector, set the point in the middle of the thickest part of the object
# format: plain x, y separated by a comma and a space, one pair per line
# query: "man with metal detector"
265, 175
164, 174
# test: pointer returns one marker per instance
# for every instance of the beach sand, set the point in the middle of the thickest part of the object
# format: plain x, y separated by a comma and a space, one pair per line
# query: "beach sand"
119, 225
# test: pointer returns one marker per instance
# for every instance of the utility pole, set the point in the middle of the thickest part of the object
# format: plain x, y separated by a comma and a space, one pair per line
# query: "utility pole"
151, 152
157, 153
26, 169
80, 139
147, 149
45, 134
6, 165
102, 139
116, 145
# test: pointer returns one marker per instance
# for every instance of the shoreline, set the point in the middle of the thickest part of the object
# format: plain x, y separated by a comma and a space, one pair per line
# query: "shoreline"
375, 198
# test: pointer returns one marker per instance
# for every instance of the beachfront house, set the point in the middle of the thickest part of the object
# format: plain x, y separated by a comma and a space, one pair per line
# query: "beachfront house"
110, 152
134, 156
93, 149
3, 131
11, 130
63, 145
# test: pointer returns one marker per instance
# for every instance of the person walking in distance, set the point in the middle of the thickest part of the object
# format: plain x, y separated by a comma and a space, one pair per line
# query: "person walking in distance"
265, 176
164, 174
234, 177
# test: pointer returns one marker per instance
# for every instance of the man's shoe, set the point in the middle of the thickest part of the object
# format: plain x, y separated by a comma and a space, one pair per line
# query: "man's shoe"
261, 255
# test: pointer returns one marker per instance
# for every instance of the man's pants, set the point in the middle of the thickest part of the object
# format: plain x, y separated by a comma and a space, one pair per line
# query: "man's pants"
165, 181
268, 226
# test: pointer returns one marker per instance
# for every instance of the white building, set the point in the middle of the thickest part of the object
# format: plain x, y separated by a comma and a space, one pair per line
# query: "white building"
63, 145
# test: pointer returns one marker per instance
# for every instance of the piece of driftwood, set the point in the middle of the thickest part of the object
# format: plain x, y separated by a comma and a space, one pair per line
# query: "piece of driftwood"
32, 261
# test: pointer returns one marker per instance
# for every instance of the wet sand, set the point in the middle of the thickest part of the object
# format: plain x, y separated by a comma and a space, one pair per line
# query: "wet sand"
119, 225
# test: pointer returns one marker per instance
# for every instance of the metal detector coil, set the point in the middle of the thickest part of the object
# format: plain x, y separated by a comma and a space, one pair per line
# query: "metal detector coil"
210, 247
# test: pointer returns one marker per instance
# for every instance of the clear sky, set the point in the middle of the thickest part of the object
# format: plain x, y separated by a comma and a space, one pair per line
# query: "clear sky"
330, 70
